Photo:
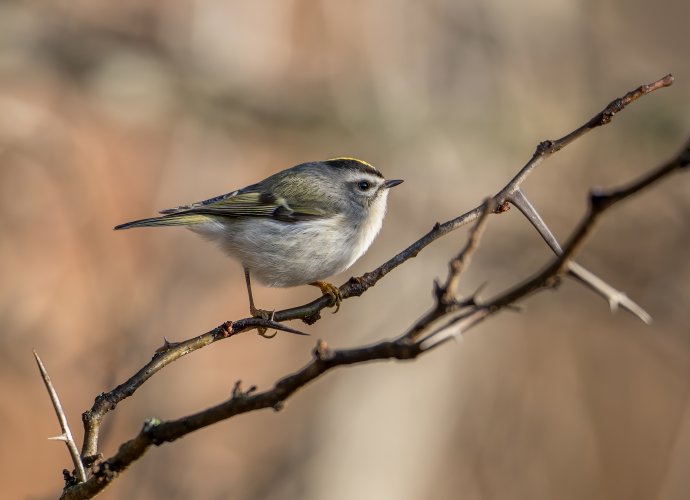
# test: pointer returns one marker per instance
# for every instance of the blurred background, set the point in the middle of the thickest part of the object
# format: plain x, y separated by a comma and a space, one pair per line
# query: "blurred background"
110, 111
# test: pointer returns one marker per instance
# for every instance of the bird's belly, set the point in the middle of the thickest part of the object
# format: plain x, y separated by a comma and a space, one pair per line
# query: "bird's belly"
289, 254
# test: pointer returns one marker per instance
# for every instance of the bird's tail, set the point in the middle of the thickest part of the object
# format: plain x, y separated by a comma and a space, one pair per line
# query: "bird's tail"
182, 219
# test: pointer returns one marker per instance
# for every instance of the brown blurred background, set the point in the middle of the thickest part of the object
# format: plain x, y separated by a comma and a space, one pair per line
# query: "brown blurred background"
112, 110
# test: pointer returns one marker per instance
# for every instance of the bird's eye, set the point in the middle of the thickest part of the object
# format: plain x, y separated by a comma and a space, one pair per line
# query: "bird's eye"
363, 185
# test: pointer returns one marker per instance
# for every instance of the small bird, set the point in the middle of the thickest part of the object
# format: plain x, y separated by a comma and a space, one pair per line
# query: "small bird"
296, 227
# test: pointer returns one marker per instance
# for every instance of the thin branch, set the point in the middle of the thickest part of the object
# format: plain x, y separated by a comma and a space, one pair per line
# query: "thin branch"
356, 286
446, 298
156, 432
599, 203
66, 435
547, 148
458, 264
163, 356
615, 297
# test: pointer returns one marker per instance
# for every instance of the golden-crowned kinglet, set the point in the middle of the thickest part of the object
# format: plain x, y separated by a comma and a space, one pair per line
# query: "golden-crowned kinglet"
296, 227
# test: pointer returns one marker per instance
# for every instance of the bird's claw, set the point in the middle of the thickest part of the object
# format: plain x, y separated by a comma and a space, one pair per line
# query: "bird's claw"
263, 314
261, 331
330, 290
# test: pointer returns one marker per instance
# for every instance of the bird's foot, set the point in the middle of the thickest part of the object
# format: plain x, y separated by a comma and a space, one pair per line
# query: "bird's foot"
263, 314
330, 290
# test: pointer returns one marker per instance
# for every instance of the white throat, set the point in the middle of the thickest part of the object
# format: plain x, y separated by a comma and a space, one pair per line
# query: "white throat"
369, 228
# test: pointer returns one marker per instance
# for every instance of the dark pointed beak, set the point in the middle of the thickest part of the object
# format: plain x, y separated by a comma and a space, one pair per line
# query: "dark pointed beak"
392, 183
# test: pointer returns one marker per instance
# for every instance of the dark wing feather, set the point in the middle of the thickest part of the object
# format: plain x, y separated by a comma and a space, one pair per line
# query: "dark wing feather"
210, 201
248, 202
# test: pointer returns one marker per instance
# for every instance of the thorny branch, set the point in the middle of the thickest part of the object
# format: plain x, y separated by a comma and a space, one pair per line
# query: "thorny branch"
66, 435
511, 193
599, 202
164, 355
460, 315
